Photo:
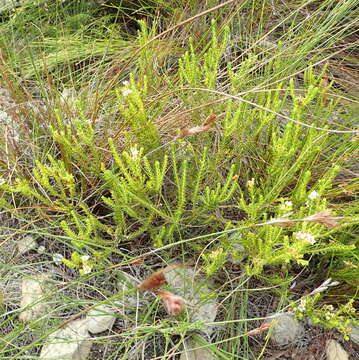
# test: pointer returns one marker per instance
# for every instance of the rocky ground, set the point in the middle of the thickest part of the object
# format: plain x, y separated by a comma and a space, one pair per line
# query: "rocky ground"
39, 294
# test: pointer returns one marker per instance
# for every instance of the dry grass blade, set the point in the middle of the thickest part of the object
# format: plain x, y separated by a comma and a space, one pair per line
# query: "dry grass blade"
324, 218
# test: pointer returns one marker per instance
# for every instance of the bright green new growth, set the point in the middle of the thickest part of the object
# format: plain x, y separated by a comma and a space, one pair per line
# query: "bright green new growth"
164, 195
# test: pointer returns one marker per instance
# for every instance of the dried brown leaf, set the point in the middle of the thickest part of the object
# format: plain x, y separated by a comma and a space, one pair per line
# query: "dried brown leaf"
210, 120
157, 279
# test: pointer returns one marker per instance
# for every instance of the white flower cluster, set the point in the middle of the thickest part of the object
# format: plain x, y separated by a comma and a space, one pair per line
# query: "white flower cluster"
134, 152
4, 117
57, 258
126, 89
250, 183
301, 235
86, 268
287, 206
302, 304
313, 195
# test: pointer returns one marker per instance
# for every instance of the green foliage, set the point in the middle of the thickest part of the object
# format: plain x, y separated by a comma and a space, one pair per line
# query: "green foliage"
165, 195
137, 116
196, 74
340, 318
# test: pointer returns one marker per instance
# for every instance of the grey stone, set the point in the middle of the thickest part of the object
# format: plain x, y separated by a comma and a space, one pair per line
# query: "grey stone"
100, 319
285, 329
70, 343
334, 351
354, 335
6, 5
192, 353
32, 298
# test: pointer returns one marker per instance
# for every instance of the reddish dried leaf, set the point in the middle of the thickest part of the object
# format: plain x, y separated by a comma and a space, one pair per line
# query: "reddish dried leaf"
153, 282
210, 120
194, 130
157, 279
173, 303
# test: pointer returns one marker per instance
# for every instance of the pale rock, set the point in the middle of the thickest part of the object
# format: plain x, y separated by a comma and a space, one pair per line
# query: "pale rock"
192, 353
70, 343
201, 304
6, 5
26, 244
334, 351
285, 329
100, 319
354, 335
32, 298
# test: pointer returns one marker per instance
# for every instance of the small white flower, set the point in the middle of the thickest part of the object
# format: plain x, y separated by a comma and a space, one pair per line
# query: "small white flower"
301, 235
126, 83
85, 258
134, 152
2, 181
286, 206
302, 304
126, 92
250, 183
313, 195
86, 269
57, 259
